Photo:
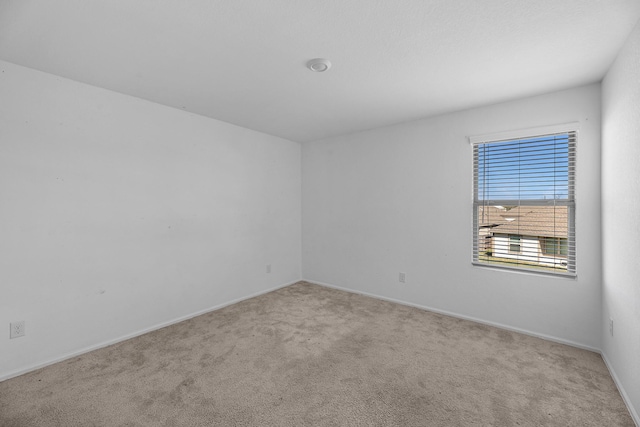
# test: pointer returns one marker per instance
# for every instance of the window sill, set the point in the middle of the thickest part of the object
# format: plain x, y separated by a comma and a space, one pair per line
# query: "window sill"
527, 271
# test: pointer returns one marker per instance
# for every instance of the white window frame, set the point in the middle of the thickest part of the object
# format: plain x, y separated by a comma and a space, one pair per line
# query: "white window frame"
571, 203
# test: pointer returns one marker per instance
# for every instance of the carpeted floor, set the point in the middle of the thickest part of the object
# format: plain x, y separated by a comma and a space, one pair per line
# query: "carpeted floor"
306, 355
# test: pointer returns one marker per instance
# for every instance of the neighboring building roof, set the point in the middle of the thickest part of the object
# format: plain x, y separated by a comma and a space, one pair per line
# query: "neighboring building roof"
543, 221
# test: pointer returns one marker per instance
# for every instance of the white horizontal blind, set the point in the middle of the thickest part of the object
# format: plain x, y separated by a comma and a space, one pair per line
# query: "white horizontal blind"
524, 203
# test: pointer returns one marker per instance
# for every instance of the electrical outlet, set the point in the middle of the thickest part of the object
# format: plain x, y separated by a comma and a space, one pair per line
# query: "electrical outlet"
17, 329
402, 278
268, 269
611, 325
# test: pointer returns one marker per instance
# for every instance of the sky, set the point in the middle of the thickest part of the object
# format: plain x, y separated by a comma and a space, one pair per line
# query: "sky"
531, 169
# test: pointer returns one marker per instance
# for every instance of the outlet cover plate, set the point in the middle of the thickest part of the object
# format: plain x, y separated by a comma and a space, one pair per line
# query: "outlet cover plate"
17, 329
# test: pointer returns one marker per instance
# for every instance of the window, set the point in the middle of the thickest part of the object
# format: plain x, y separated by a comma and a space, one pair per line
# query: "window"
554, 246
514, 244
524, 200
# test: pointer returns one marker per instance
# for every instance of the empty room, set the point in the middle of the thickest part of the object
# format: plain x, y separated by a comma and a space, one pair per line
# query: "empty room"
319, 213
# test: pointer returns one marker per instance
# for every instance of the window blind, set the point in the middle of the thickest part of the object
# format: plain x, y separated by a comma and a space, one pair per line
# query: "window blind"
524, 203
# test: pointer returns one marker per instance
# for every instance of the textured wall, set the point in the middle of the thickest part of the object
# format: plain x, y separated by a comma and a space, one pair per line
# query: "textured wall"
399, 199
119, 215
620, 215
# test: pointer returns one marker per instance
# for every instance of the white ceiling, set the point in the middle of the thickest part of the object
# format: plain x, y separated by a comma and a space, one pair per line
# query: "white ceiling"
243, 61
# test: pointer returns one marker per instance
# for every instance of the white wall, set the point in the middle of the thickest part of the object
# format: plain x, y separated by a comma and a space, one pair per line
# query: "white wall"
119, 215
620, 218
399, 199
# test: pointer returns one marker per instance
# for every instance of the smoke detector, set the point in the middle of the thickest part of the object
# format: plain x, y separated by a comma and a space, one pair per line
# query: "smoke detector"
319, 65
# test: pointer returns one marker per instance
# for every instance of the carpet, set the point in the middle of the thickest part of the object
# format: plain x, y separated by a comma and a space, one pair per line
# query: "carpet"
307, 355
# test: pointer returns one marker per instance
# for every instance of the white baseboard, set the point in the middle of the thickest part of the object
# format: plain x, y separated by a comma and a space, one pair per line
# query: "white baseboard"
625, 397
22, 371
461, 316
623, 393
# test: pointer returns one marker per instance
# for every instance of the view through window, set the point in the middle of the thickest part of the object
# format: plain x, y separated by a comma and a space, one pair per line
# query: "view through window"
524, 204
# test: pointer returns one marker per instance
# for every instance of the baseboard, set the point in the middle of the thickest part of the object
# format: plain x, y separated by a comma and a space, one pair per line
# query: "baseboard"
623, 393
625, 397
461, 316
84, 350
621, 390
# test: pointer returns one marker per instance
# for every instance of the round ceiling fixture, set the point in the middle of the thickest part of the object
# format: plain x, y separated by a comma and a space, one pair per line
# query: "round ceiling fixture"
319, 65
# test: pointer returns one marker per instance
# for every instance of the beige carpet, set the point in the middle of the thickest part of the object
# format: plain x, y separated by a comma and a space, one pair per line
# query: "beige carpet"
311, 356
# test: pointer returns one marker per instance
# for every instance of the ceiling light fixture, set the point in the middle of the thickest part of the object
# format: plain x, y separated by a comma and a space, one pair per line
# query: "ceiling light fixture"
319, 65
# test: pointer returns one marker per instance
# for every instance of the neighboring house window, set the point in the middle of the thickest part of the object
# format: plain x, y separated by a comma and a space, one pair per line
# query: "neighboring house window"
524, 200
514, 244
554, 246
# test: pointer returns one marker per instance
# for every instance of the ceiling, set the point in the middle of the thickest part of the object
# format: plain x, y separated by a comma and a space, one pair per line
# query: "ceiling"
243, 61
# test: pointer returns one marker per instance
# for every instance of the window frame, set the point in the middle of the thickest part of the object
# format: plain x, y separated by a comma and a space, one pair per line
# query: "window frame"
570, 202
